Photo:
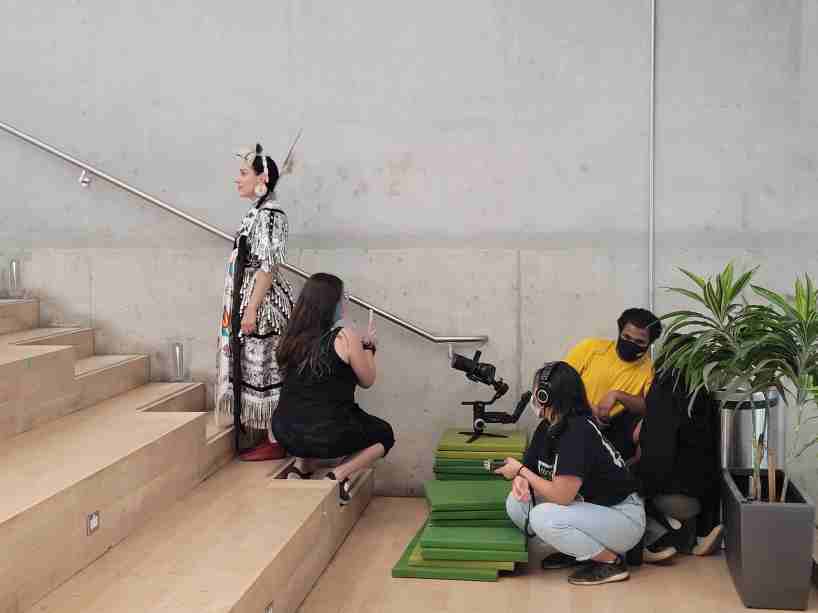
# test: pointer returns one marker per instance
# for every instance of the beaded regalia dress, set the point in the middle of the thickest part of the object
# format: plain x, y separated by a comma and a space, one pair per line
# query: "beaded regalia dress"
254, 379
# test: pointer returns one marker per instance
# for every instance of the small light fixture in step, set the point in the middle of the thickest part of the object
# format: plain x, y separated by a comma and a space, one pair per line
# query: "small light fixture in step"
178, 355
15, 285
85, 178
93, 522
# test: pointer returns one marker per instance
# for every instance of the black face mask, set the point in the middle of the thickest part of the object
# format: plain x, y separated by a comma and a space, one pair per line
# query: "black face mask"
629, 351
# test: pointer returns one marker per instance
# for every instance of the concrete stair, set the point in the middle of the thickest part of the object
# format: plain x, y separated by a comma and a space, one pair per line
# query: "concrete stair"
176, 525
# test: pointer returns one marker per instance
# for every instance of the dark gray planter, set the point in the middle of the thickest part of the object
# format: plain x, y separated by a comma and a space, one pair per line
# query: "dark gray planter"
768, 546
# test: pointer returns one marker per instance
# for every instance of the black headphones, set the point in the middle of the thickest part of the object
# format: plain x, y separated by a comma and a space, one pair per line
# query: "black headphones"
544, 384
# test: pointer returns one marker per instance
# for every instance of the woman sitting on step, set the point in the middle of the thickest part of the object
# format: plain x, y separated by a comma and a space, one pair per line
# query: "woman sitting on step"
573, 490
321, 363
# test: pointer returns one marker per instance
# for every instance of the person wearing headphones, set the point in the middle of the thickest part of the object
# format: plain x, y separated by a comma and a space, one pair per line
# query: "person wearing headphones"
573, 490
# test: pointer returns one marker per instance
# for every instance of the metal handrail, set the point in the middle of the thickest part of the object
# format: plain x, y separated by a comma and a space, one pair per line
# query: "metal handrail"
214, 230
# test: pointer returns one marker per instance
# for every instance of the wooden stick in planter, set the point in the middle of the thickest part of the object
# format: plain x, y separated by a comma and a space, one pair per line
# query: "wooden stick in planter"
772, 464
759, 455
772, 467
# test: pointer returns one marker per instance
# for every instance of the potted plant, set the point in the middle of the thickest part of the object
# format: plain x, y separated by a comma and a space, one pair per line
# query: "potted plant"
743, 352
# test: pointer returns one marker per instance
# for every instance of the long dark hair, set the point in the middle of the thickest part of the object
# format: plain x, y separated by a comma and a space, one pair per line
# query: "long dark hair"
312, 319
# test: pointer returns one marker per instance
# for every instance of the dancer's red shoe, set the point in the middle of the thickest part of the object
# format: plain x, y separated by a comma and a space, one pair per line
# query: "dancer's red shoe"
264, 452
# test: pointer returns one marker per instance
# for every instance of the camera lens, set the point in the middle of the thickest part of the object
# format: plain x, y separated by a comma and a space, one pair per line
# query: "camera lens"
461, 362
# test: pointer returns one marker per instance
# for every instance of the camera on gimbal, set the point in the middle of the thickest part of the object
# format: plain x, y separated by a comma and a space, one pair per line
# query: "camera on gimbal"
483, 372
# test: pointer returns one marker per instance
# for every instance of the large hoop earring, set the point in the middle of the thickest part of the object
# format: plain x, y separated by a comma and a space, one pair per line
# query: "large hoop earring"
260, 190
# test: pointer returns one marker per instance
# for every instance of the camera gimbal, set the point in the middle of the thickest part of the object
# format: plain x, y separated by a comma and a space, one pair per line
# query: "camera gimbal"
484, 373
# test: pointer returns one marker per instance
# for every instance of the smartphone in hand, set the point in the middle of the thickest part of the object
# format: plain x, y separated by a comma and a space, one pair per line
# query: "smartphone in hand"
492, 465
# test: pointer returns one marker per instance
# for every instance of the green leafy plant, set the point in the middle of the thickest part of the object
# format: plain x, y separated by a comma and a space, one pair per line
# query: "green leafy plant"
791, 351
737, 348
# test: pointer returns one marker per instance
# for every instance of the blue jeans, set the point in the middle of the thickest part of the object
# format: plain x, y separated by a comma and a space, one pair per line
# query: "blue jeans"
581, 529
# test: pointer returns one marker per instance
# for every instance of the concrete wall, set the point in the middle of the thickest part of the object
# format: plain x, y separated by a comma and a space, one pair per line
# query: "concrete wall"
476, 167
737, 147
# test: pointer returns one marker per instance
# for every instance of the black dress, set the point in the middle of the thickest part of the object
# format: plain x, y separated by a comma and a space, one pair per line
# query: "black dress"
317, 417
680, 447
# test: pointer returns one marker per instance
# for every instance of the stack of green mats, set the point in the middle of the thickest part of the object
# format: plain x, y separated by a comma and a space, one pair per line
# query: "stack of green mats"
468, 535
468, 503
472, 554
457, 459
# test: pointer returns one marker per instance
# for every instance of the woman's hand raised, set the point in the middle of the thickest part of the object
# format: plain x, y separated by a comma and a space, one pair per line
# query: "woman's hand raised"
370, 337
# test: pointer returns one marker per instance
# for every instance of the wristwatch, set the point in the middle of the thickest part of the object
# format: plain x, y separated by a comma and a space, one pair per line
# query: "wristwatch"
369, 347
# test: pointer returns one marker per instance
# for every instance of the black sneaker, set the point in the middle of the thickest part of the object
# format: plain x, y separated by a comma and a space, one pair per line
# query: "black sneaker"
660, 551
294, 473
599, 573
344, 488
558, 560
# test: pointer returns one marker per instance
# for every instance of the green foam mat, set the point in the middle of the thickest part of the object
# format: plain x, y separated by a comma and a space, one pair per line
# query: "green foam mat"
452, 440
462, 477
465, 470
490, 514
474, 463
444, 454
491, 523
461, 555
481, 538
417, 559
467, 495
404, 570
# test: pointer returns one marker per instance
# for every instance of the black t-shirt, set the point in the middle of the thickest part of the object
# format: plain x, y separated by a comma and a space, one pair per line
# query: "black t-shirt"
582, 451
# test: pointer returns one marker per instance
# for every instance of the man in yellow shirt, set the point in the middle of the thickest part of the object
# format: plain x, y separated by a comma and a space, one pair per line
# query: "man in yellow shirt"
618, 374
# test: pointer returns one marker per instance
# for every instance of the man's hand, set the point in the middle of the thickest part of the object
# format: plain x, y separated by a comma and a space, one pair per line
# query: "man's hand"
608, 402
519, 489
637, 432
510, 469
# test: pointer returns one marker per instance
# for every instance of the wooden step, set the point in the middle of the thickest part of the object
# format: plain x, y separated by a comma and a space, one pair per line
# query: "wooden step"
105, 376
40, 383
82, 339
241, 542
37, 384
220, 444
118, 458
18, 315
